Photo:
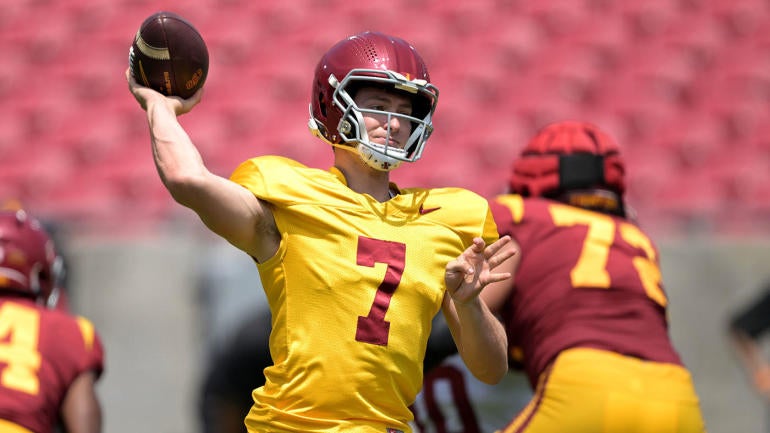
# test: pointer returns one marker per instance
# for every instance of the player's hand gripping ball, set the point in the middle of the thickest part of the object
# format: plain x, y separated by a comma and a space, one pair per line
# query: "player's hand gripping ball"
169, 55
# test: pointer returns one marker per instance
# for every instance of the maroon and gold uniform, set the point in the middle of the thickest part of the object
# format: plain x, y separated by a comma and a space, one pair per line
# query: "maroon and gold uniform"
589, 313
41, 352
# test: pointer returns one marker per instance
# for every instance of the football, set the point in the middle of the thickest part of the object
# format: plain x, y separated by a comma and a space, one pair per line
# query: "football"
169, 55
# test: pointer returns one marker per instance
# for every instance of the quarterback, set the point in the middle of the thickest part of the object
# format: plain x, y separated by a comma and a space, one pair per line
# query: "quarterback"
354, 267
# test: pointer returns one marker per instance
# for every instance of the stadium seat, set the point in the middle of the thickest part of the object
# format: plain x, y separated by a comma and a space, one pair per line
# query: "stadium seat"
694, 199
697, 36
692, 139
740, 18
556, 18
648, 19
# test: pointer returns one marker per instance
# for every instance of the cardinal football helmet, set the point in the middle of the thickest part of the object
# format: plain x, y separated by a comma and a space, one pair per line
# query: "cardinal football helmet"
568, 157
371, 59
28, 260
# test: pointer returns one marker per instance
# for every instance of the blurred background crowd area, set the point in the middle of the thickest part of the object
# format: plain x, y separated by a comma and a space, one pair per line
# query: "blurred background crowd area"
684, 86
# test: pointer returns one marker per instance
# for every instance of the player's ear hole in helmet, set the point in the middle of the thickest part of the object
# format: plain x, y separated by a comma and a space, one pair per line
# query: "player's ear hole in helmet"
573, 162
376, 60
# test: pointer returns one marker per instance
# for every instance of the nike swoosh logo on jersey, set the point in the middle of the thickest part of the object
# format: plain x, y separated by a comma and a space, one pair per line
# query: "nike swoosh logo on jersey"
428, 210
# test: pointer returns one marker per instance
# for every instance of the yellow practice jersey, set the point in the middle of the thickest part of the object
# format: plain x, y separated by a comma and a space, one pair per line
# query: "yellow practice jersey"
353, 289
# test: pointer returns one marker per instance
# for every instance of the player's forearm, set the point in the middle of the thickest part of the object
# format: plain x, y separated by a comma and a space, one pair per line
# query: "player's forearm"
178, 161
81, 410
482, 342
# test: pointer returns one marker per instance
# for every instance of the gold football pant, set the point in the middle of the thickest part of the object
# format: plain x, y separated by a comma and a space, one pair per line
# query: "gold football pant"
9, 427
596, 391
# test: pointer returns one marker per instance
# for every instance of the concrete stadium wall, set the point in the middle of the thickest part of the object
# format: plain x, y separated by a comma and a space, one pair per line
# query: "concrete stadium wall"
706, 283
143, 298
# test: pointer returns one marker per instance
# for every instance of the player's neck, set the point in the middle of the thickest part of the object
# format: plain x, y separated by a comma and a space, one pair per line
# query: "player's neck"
365, 180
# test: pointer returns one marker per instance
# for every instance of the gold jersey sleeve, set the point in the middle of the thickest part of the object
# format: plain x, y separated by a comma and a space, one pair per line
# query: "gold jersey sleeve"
353, 289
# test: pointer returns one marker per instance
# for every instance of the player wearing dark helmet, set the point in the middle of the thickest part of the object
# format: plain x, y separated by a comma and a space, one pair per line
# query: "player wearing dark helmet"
354, 267
49, 359
586, 308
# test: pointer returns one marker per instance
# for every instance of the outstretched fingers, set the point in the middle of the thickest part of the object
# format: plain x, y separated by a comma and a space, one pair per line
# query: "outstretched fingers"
495, 277
499, 251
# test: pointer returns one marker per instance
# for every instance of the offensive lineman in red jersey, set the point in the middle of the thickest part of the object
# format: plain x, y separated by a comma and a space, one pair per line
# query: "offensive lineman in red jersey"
49, 359
586, 304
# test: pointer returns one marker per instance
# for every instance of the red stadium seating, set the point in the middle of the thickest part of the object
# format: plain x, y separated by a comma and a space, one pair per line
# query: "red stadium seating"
684, 86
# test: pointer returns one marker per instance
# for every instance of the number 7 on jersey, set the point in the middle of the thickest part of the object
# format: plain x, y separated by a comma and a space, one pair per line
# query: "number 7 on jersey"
373, 328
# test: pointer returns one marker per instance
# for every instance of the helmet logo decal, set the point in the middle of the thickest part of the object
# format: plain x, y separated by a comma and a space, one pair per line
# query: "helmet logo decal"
17, 258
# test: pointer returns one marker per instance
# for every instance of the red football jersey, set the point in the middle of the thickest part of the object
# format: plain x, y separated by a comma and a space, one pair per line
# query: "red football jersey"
41, 352
586, 279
